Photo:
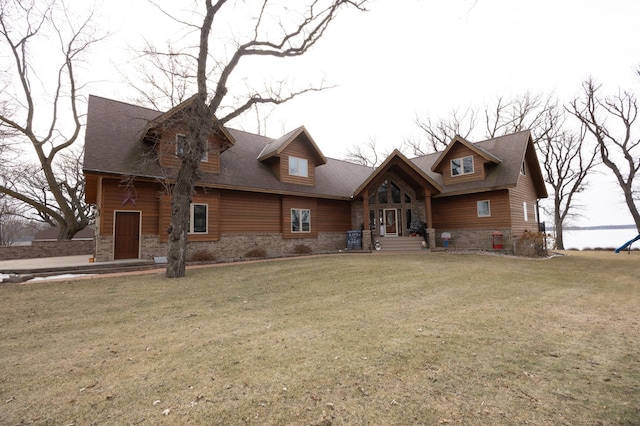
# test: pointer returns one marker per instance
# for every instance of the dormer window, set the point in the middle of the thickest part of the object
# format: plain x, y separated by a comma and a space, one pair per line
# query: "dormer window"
462, 166
181, 141
298, 167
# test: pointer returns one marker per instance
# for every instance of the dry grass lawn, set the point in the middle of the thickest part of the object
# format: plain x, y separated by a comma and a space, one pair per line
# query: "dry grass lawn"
345, 339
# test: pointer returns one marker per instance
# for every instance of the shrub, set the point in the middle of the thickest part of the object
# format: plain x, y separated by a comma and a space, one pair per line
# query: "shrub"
202, 256
256, 252
302, 249
531, 244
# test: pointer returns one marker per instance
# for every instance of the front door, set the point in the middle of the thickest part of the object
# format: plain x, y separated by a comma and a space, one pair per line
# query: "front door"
127, 235
390, 223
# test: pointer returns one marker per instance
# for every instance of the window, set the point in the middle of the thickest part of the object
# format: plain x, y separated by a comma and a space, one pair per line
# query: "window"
462, 166
484, 208
523, 170
382, 193
300, 220
181, 140
298, 167
198, 219
526, 214
395, 193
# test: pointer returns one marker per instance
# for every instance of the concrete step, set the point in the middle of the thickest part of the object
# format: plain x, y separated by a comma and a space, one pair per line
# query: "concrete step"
400, 244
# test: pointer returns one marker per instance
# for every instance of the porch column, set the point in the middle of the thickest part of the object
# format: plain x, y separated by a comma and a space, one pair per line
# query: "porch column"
365, 213
427, 209
430, 231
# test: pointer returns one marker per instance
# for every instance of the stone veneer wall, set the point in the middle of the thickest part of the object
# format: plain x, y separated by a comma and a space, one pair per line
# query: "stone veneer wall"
232, 246
474, 239
39, 249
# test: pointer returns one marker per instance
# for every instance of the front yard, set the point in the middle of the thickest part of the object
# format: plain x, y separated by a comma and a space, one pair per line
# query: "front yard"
345, 339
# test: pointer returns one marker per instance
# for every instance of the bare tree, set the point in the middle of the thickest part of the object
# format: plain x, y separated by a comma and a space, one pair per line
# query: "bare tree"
368, 154
167, 80
59, 198
612, 122
566, 163
438, 134
275, 31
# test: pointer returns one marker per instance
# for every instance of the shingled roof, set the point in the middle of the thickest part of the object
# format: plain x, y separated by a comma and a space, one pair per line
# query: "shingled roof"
113, 145
509, 152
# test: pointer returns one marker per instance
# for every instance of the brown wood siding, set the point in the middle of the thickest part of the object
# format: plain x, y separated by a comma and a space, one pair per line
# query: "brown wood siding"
333, 216
301, 150
524, 192
289, 203
115, 198
246, 212
169, 159
461, 151
211, 198
462, 211
91, 188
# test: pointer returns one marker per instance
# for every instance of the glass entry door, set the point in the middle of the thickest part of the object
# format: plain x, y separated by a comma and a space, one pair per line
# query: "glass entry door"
390, 223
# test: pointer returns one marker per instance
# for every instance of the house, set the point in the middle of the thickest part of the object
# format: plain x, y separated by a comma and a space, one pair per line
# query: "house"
277, 194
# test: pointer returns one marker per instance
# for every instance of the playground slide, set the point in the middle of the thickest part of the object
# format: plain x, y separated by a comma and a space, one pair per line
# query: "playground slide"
627, 244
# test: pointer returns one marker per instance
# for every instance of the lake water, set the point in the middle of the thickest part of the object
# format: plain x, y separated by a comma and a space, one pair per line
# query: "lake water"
599, 238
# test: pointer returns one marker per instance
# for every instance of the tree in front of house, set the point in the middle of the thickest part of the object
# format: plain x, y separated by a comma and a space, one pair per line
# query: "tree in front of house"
612, 121
39, 111
265, 31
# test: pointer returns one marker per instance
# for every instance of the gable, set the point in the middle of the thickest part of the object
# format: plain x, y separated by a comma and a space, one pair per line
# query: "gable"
294, 157
404, 168
463, 161
298, 136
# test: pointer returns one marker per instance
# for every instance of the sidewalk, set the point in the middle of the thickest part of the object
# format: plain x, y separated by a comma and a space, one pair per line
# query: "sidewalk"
44, 262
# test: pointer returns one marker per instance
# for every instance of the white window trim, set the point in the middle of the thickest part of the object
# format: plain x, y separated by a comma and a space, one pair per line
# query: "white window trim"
191, 219
461, 159
488, 208
298, 161
526, 213
205, 155
523, 169
301, 231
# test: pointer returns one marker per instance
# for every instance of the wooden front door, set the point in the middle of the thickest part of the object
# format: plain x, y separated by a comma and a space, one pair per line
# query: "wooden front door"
390, 223
127, 235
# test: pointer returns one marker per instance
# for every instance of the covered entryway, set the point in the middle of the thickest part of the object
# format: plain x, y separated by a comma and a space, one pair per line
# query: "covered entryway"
126, 235
396, 200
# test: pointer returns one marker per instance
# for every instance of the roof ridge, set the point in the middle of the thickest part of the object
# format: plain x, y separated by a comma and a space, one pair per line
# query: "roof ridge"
124, 103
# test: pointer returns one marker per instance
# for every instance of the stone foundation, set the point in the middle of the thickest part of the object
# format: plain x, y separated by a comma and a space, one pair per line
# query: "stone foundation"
233, 246
474, 239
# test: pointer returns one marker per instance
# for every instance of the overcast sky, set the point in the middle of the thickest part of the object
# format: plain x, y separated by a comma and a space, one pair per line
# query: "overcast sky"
408, 58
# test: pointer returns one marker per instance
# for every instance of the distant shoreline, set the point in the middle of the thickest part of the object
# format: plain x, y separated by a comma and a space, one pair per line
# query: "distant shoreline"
597, 227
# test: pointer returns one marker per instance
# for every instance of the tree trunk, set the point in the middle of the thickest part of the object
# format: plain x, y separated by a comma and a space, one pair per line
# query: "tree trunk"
558, 220
559, 235
68, 230
200, 125
628, 196
180, 210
